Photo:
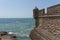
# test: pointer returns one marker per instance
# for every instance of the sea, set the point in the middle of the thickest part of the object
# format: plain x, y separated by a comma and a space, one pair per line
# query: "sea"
19, 26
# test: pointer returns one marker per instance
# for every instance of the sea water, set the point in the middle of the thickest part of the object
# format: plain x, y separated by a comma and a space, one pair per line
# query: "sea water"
19, 26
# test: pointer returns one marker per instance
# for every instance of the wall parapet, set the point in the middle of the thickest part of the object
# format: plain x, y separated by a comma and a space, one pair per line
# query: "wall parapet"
49, 16
52, 11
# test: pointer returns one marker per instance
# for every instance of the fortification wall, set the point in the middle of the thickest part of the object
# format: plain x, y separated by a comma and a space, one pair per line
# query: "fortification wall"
51, 24
41, 12
53, 10
48, 24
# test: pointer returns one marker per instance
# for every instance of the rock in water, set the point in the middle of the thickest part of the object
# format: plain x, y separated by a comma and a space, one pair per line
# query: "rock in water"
3, 33
9, 37
47, 25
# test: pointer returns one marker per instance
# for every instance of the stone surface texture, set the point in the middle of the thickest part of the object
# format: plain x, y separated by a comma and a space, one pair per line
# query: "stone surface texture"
47, 26
6, 36
9, 37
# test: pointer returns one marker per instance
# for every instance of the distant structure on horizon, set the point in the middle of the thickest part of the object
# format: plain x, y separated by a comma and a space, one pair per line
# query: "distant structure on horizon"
47, 24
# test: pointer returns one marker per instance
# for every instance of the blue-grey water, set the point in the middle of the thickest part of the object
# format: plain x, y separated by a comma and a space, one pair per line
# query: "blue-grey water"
19, 26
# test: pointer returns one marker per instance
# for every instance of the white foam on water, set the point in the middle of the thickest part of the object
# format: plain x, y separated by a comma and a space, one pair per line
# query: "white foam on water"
10, 32
27, 35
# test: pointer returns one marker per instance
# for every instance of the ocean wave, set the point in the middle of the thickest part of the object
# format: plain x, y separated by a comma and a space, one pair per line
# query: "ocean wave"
19, 35
10, 33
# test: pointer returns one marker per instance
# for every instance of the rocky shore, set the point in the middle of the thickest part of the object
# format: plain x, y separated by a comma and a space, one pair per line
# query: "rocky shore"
6, 36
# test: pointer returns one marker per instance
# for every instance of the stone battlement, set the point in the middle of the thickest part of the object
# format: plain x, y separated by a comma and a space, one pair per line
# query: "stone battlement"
47, 26
53, 10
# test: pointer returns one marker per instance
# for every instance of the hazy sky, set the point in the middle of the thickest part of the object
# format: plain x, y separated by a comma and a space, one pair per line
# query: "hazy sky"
22, 8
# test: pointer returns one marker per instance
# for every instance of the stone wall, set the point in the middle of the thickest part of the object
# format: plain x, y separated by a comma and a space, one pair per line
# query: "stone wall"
51, 24
41, 12
53, 10
47, 25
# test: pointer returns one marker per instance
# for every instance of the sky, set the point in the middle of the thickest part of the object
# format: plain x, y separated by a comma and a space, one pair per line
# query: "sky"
23, 8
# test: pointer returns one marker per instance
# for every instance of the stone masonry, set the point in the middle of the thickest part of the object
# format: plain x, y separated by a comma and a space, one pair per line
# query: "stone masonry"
47, 25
